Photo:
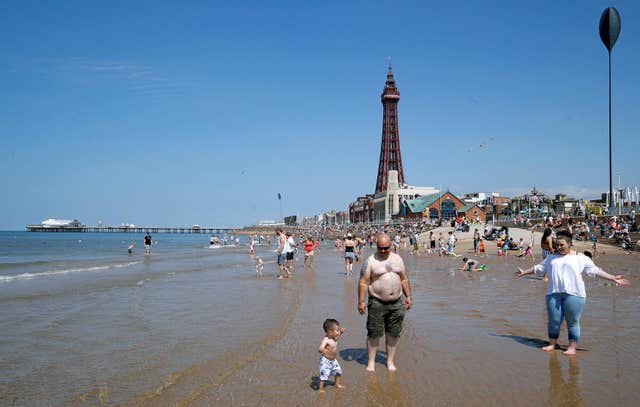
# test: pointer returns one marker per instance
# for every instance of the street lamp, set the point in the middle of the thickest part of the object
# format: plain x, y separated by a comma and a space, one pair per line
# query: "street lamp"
609, 32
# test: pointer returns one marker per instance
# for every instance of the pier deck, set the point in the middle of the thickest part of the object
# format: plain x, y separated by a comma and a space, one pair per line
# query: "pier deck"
130, 229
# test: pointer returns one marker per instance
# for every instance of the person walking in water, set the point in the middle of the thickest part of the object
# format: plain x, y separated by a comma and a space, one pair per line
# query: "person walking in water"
384, 279
147, 244
349, 254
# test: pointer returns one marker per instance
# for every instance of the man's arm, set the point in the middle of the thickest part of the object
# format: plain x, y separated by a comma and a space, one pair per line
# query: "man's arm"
406, 289
363, 286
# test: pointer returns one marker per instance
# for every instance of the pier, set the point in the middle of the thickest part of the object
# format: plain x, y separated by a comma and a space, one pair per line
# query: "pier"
131, 229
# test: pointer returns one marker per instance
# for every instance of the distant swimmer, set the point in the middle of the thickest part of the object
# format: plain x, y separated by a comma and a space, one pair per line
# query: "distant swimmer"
147, 244
130, 248
213, 240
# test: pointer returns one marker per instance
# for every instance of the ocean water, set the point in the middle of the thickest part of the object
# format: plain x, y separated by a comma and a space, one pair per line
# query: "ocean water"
83, 322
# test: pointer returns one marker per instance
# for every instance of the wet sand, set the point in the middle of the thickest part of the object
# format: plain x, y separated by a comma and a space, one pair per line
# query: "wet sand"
470, 339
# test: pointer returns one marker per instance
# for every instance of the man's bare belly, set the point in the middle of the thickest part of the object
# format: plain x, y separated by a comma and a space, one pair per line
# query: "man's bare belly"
387, 287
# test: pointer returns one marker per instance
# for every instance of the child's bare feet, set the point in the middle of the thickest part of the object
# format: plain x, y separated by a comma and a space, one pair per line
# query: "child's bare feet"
371, 368
340, 386
391, 367
548, 348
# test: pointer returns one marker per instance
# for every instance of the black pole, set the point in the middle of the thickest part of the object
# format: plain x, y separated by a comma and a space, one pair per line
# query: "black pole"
612, 205
609, 31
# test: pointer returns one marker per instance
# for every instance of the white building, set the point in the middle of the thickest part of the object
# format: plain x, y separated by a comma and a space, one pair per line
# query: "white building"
52, 223
387, 204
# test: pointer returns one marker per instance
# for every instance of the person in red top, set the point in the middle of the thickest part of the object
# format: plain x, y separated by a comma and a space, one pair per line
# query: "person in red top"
308, 252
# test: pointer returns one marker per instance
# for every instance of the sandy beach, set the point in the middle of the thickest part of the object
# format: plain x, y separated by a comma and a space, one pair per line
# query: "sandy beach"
470, 340
191, 326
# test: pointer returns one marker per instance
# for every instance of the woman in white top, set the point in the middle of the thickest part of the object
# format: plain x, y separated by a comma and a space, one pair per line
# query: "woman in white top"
565, 289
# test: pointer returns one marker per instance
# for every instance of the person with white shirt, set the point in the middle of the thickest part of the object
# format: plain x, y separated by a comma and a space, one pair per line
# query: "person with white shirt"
289, 249
566, 294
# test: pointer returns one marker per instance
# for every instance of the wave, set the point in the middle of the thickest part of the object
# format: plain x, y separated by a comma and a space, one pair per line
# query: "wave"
24, 276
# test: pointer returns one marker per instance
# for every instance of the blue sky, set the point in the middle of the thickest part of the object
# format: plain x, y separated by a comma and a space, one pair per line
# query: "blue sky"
201, 112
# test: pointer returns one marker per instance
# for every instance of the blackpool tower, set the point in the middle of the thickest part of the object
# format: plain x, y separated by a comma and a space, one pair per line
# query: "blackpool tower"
390, 157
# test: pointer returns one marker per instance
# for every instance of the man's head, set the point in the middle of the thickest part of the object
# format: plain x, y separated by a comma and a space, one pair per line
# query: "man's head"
384, 245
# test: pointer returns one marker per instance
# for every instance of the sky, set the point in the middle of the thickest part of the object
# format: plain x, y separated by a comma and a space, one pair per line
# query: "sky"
182, 113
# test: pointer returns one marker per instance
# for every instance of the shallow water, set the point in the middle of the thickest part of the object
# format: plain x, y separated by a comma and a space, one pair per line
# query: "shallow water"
194, 326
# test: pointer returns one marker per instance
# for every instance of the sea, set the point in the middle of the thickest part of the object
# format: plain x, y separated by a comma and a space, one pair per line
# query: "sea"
81, 321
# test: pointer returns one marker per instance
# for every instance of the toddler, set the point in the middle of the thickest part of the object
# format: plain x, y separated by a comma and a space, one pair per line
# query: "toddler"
259, 266
328, 352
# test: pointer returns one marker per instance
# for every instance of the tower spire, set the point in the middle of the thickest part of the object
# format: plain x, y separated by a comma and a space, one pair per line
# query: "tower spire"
390, 156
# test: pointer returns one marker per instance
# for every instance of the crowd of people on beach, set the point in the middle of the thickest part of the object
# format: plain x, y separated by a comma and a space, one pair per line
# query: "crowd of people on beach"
384, 291
561, 266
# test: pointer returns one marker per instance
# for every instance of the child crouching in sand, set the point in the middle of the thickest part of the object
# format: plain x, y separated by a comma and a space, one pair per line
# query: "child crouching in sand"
473, 265
328, 352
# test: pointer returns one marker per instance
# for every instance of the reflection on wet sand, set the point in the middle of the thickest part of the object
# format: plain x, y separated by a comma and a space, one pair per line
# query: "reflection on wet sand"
564, 392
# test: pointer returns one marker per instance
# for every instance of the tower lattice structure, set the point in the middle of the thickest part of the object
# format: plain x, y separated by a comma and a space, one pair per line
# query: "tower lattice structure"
390, 156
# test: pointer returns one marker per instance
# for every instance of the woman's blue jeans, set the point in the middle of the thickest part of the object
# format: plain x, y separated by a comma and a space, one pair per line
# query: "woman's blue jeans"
567, 306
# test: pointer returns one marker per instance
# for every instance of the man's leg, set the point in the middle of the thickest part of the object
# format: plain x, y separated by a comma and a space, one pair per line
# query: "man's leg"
391, 343
372, 348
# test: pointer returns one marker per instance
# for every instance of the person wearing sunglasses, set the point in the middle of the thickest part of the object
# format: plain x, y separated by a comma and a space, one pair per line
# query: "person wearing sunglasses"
383, 277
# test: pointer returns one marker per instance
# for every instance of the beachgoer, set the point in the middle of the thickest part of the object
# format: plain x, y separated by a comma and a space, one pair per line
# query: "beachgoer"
251, 246
396, 243
259, 266
566, 294
451, 243
384, 278
349, 253
281, 255
130, 248
441, 245
546, 243
472, 265
476, 241
147, 244
483, 248
328, 349
308, 251
289, 249
432, 242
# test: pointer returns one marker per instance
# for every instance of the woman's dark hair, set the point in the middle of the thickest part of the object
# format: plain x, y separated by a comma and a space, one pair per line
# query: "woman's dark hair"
547, 232
564, 234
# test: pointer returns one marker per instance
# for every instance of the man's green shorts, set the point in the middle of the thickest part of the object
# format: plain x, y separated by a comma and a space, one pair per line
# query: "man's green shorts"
384, 317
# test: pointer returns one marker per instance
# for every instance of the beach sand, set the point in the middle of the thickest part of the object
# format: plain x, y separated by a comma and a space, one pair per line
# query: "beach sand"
470, 339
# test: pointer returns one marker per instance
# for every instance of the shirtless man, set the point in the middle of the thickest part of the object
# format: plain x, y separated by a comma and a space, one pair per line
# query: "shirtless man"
384, 278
